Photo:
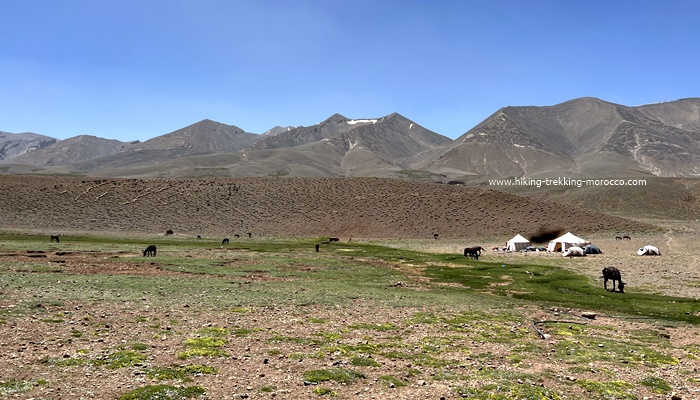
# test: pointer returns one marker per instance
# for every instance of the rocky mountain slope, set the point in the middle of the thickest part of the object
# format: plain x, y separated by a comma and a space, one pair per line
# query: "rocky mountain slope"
18, 144
73, 150
581, 137
585, 137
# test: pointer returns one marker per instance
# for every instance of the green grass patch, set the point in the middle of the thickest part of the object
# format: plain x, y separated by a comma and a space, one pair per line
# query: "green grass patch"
340, 375
364, 362
181, 373
139, 346
392, 381
12, 388
121, 359
208, 343
268, 388
657, 385
608, 390
585, 349
550, 285
115, 360
374, 327
322, 391
64, 362
508, 391
163, 392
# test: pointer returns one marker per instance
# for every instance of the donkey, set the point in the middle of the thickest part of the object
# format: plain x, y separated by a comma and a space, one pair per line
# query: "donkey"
150, 251
613, 274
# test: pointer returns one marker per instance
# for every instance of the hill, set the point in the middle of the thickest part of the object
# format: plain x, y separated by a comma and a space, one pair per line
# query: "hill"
269, 206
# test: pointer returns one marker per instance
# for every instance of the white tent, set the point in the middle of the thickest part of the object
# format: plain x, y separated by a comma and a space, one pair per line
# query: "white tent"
565, 241
517, 243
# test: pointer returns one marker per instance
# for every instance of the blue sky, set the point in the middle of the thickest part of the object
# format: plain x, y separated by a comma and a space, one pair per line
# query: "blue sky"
136, 69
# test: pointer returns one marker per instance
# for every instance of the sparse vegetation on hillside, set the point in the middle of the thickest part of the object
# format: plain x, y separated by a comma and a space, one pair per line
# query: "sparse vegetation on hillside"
357, 207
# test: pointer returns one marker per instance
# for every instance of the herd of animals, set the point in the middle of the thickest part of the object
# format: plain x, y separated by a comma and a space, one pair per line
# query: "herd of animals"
609, 273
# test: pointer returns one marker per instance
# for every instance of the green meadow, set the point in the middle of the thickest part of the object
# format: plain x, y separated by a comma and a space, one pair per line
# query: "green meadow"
460, 301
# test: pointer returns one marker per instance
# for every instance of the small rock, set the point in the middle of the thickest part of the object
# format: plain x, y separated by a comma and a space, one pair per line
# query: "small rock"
589, 315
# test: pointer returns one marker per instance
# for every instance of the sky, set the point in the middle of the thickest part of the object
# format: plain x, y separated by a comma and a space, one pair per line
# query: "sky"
137, 69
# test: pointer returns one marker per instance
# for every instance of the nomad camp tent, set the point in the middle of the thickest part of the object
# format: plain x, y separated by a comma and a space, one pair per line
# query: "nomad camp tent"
592, 249
565, 241
517, 243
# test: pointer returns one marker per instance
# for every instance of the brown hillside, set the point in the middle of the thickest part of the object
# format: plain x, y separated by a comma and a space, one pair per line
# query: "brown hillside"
266, 206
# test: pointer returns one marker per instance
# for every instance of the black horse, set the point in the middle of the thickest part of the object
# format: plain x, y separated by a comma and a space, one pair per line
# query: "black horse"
613, 274
150, 251
225, 241
473, 252
55, 238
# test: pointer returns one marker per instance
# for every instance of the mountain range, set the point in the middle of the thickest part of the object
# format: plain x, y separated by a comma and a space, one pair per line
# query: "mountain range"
585, 137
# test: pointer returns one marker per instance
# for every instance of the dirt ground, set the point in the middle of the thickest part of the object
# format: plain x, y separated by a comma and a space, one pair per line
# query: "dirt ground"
260, 367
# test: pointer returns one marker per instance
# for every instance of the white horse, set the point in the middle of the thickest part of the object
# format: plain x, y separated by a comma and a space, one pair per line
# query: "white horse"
574, 251
648, 250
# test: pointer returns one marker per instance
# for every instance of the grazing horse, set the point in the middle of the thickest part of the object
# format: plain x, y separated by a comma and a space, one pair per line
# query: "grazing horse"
473, 252
150, 251
225, 241
334, 239
648, 250
613, 274
436, 236
626, 238
55, 238
618, 237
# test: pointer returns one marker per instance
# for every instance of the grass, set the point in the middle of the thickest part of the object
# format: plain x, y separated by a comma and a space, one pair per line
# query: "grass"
163, 392
657, 385
208, 342
180, 373
548, 285
13, 387
340, 375
462, 304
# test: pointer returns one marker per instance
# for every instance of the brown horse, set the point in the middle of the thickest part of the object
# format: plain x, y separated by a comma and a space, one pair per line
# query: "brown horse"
473, 252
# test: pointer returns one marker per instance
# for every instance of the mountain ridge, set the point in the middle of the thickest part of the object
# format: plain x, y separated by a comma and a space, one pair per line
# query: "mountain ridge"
580, 137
